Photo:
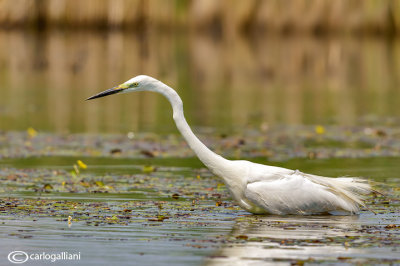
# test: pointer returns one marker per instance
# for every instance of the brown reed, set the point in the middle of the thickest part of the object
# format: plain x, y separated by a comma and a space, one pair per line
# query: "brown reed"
311, 16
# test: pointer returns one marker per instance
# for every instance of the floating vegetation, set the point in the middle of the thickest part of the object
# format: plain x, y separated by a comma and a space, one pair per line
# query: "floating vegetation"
31, 132
276, 143
348, 237
169, 182
148, 169
320, 129
160, 194
81, 164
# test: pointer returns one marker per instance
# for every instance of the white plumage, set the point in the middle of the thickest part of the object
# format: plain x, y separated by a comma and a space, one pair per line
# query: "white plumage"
261, 188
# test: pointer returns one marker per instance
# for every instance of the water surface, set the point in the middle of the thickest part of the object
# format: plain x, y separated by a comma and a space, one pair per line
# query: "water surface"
224, 83
198, 225
327, 106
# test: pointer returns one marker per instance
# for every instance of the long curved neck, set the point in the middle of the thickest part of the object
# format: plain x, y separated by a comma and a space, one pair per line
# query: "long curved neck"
212, 160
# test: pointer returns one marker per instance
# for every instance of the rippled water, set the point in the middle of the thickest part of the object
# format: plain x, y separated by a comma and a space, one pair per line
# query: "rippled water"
192, 234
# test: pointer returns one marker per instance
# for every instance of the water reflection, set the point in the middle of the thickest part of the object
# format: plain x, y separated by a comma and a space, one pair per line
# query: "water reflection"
277, 239
228, 82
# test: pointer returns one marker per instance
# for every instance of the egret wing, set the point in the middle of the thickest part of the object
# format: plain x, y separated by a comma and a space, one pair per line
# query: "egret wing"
299, 193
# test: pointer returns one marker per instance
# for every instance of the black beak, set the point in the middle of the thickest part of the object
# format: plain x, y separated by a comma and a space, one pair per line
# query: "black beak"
105, 93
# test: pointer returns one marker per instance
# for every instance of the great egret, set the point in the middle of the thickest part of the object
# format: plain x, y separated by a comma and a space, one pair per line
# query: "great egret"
257, 188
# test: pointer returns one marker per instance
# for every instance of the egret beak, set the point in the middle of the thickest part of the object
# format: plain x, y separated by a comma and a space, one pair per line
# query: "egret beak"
106, 93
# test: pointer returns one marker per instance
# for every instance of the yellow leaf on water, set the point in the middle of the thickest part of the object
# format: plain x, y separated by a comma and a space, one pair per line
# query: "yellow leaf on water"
31, 132
99, 183
84, 184
112, 218
319, 130
47, 187
81, 164
148, 169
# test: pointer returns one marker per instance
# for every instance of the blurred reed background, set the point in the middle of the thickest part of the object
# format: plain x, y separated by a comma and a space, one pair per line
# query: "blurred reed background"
235, 63
317, 16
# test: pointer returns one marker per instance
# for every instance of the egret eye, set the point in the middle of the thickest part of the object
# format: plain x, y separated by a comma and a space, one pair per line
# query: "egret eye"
135, 84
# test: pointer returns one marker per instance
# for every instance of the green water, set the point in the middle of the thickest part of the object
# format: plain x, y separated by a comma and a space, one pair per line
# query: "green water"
224, 84
377, 169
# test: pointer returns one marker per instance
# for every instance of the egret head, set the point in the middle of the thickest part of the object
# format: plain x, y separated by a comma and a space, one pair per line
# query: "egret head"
138, 83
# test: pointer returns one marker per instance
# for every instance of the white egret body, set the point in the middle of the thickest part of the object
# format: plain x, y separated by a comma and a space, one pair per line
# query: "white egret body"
260, 188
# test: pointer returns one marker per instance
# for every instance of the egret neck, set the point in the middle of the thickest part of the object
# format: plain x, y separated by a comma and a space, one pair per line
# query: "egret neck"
210, 159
